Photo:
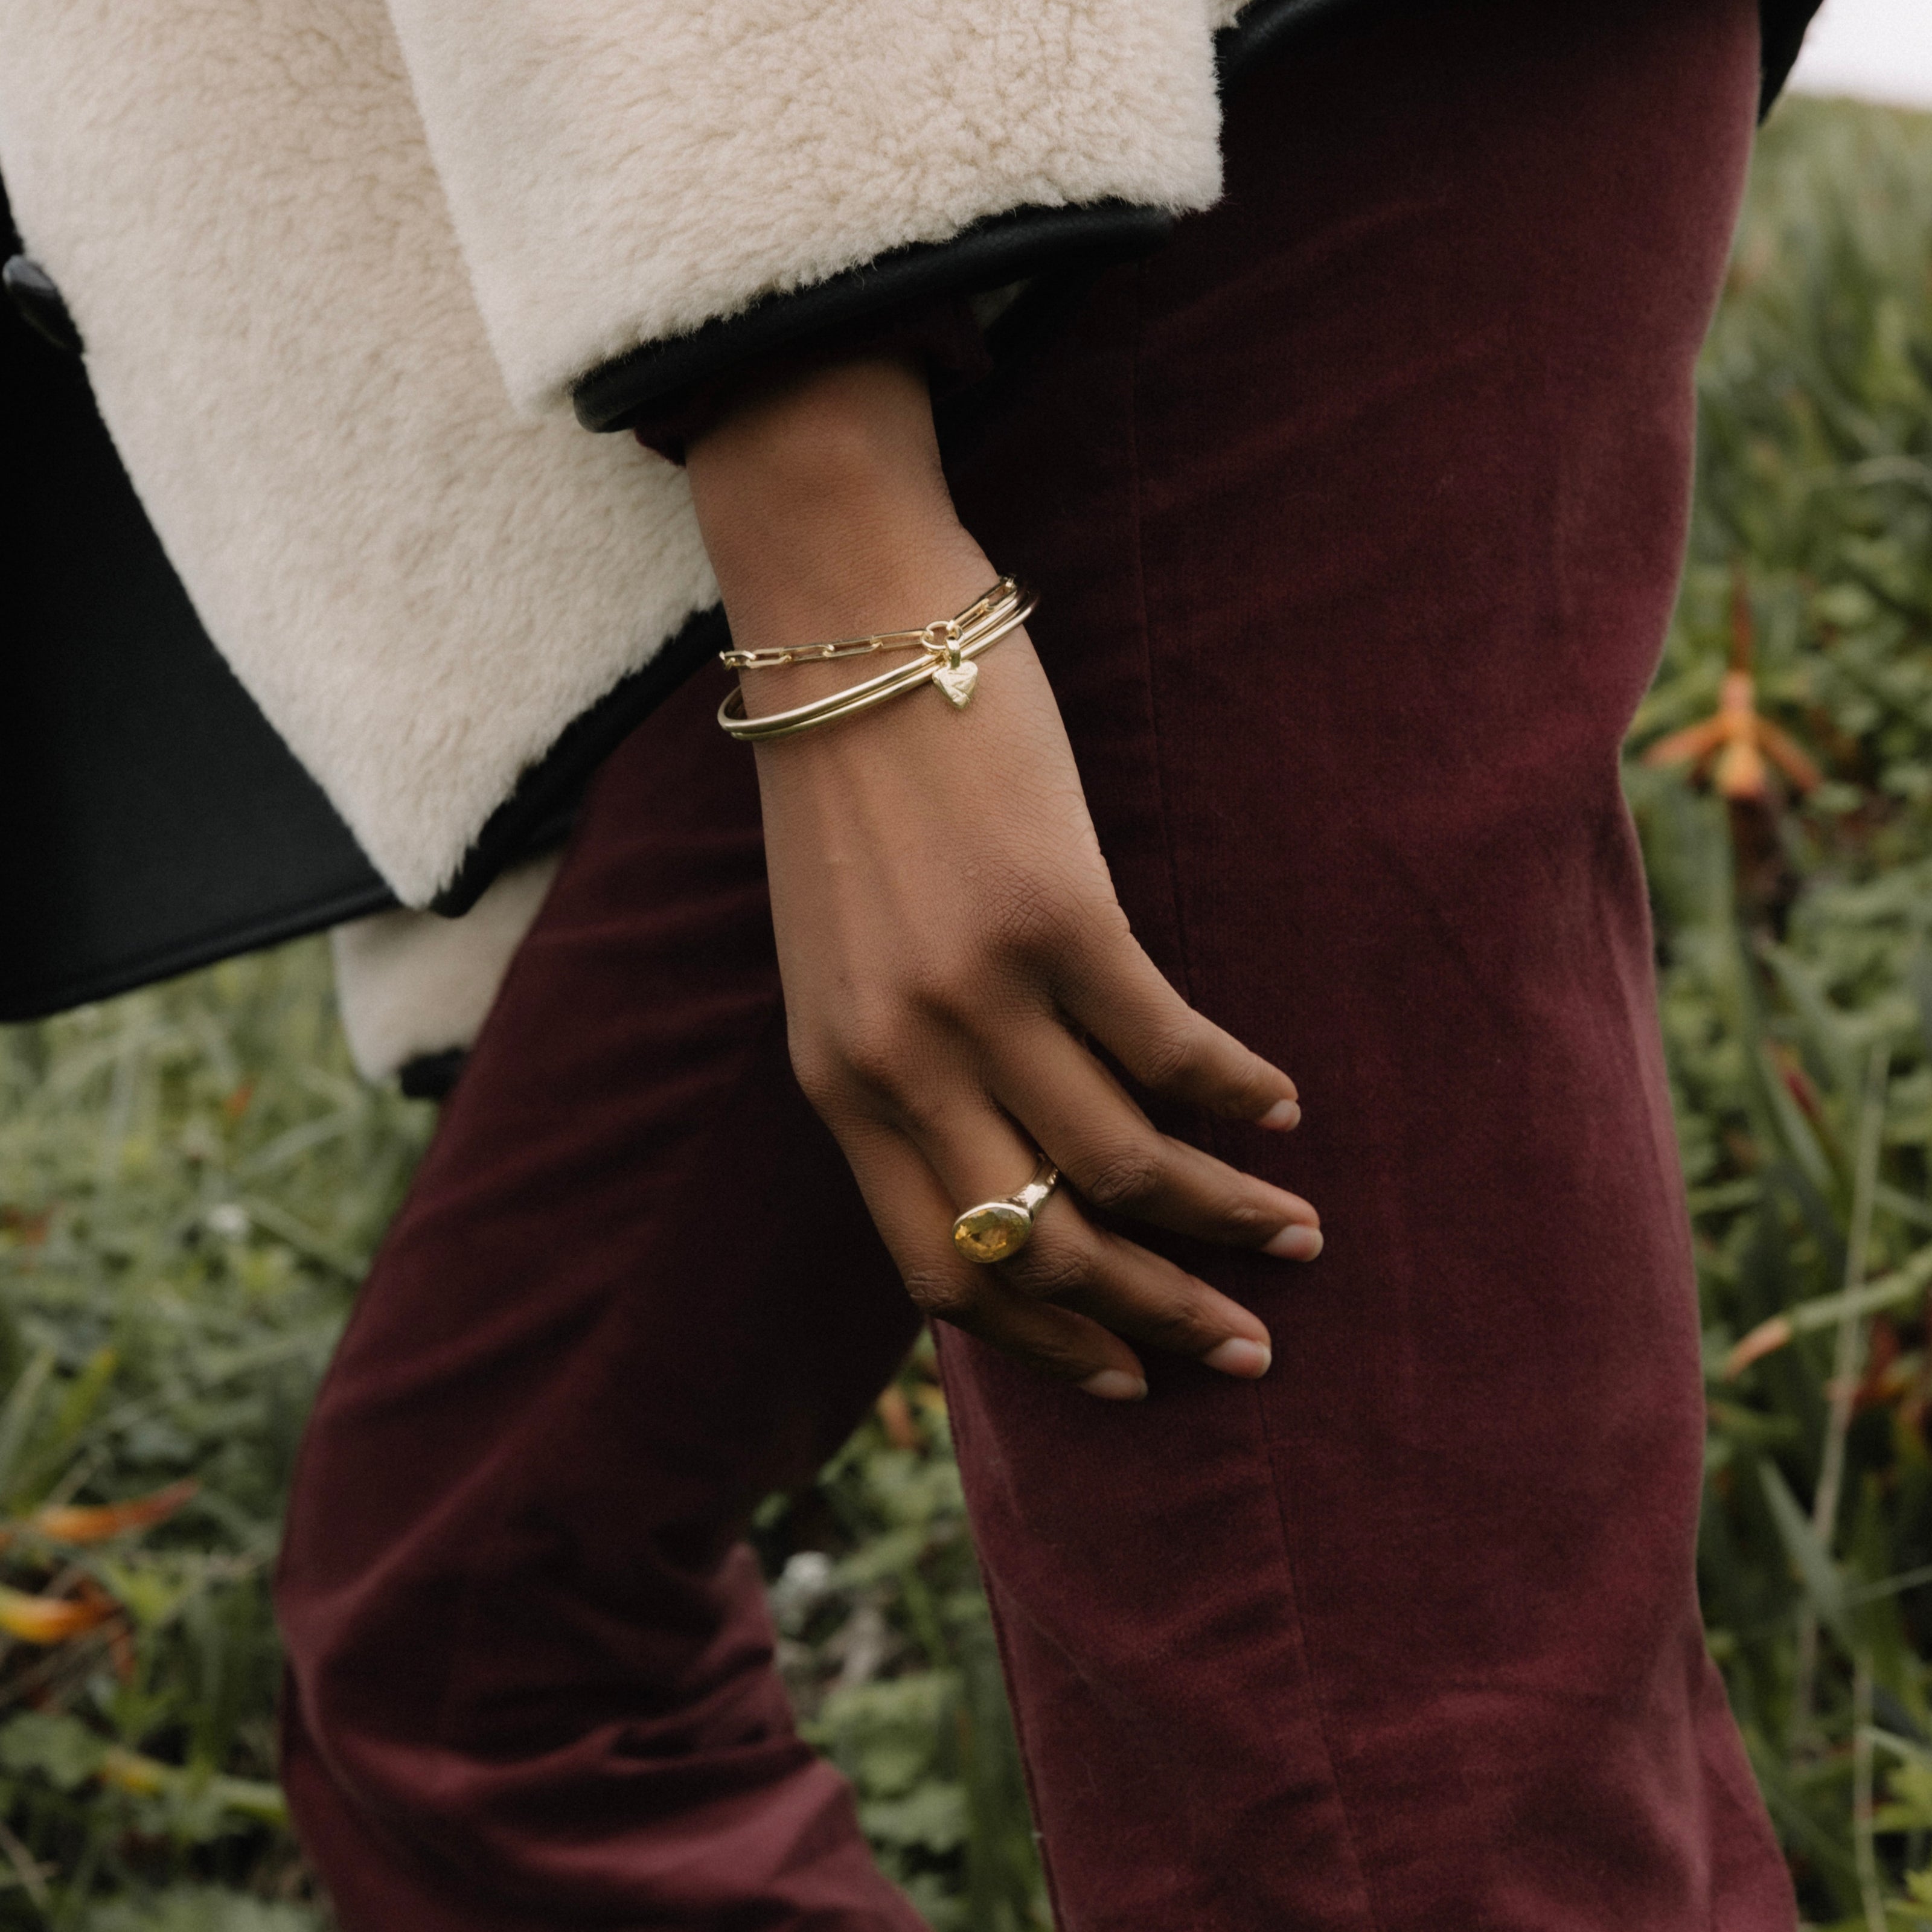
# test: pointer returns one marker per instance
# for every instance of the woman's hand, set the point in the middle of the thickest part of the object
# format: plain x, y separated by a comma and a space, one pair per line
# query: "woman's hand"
947, 931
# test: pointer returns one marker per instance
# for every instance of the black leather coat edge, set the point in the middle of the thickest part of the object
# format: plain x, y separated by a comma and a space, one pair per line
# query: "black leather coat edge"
1264, 27
28, 1000
1781, 28
39, 304
991, 254
1268, 25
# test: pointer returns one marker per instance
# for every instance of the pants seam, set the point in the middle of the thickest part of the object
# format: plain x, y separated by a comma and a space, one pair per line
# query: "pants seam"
1292, 1595
1002, 1644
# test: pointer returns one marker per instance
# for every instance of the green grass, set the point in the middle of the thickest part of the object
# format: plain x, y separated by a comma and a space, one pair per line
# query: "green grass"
1796, 984
191, 1180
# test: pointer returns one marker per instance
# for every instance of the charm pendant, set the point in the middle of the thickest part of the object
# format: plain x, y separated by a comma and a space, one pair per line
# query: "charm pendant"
957, 681
955, 677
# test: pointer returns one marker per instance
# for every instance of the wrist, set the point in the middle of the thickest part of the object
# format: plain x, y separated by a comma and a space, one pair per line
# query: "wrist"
825, 511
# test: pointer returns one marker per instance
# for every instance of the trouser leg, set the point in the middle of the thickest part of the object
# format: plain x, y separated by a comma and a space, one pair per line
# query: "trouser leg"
1356, 515
632, 1291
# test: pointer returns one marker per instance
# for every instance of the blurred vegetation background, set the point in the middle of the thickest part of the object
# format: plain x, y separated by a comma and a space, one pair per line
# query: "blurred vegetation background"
192, 1179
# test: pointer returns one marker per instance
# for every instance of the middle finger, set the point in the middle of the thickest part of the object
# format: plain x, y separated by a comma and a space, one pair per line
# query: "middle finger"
1122, 1163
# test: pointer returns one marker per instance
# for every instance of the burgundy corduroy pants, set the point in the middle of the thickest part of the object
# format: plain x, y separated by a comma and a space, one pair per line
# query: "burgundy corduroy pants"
1357, 514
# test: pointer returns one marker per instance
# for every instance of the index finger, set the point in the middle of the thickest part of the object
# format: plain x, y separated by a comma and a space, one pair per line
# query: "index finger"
1123, 999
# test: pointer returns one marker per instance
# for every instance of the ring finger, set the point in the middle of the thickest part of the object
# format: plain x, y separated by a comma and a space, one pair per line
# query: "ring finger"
913, 1213
1070, 1263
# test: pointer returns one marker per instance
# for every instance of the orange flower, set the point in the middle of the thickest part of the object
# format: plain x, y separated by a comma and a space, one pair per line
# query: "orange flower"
50, 1620
1733, 743
32, 1228
96, 1522
1736, 741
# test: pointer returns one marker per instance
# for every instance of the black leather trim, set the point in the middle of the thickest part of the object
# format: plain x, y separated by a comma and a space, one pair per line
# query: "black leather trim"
28, 998
992, 254
1266, 26
40, 303
432, 1076
1781, 29
536, 816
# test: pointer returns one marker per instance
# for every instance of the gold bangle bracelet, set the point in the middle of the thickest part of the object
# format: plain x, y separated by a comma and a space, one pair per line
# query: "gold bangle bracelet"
949, 647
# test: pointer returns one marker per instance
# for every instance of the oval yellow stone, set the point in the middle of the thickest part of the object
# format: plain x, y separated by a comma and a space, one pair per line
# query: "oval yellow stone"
992, 1232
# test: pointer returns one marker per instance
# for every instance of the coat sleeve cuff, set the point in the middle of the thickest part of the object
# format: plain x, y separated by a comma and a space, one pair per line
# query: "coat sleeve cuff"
630, 389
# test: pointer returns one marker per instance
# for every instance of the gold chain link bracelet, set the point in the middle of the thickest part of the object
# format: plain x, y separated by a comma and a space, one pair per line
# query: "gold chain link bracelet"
948, 648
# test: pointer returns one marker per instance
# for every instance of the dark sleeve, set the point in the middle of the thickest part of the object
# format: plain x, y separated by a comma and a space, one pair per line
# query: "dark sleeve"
1782, 26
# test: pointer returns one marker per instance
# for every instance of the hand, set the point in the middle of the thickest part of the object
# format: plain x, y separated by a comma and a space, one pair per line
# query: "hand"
947, 932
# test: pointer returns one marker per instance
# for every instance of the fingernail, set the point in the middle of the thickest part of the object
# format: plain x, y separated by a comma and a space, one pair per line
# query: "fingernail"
1282, 1115
1296, 1243
1115, 1385
1235, 1357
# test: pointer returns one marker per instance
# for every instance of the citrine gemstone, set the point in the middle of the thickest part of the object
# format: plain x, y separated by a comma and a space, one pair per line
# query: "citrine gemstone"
992, 1232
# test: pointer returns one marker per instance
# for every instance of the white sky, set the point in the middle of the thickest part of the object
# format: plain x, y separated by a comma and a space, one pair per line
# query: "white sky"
1877, 50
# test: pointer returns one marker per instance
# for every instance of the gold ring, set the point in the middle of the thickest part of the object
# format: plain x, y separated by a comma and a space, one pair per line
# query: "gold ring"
996, 1231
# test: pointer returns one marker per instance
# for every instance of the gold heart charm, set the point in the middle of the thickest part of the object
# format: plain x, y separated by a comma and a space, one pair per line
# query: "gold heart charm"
957, 682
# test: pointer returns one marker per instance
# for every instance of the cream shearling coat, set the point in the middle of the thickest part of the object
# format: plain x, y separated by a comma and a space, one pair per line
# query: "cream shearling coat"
410, 985
338, 267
